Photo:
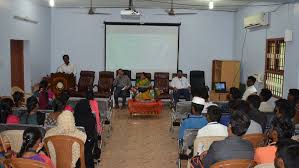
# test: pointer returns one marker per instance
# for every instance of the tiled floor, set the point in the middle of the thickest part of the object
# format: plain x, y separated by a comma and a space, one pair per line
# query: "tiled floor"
140, 142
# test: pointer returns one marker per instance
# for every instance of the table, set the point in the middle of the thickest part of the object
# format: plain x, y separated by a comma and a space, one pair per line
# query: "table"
150, 107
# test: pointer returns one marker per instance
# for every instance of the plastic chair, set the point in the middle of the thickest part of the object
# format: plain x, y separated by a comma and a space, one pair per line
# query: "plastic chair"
63, 146
266, 165
205, 142
24, 163
234, 164
181, 112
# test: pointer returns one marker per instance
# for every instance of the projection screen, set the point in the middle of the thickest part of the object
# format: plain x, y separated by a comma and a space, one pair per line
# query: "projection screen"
142, 48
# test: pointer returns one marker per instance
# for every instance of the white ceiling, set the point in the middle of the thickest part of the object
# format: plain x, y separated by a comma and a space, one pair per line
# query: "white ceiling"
185, 4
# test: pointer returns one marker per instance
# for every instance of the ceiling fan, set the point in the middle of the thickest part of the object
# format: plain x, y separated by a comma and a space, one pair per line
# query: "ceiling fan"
92, 11
171, 11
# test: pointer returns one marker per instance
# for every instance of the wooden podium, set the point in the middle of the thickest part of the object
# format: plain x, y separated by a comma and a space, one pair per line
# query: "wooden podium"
61, 81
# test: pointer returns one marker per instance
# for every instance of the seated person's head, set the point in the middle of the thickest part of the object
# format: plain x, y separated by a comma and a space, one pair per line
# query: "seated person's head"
8, 101
283, 109
213, 114
120, 72
66, 121
43, 85
265, 95
32, 104
239, 123
234, 93
296, 108
251, 81
281, 129
292, 94
287, 154
197, 105
179, 73
32, 141
239, 105
18, 98
254, 101
5, 111
64, 96
58, 105
142, 76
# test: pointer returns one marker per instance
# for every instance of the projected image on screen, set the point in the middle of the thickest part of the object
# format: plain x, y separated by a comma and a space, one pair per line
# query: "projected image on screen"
142, 48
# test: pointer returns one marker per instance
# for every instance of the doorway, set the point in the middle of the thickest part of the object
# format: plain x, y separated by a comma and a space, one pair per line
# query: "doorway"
17, 63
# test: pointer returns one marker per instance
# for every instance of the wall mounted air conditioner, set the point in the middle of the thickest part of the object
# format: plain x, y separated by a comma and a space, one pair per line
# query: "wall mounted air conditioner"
261, 19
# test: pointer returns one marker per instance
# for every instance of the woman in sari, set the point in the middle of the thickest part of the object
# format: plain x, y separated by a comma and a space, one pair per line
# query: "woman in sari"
143, 86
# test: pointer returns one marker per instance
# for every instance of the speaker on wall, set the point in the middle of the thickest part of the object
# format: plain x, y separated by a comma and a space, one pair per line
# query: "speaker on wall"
197, 80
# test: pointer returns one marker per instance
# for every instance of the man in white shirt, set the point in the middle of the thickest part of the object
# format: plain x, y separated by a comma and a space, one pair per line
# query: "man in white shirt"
214, 128
67, 67
181, 87
250, 88
265, 96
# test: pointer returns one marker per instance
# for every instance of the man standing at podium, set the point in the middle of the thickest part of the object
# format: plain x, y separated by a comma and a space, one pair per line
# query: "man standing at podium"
67, 67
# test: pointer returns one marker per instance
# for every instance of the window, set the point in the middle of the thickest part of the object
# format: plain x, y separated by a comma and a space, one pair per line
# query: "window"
274, 67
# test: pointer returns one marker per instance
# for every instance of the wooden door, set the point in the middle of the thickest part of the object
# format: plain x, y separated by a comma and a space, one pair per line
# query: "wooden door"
17, 63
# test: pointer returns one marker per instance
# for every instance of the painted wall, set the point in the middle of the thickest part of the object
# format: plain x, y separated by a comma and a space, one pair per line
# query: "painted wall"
37, 45
203, 37
253, 53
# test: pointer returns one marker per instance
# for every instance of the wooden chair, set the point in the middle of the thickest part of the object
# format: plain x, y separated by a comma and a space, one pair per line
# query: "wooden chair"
85, 82
257, 140
161, 80
234, 164
63, 146
105, 84
24, 163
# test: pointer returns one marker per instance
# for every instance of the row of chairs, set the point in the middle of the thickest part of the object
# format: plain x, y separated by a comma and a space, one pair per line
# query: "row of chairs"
105, 82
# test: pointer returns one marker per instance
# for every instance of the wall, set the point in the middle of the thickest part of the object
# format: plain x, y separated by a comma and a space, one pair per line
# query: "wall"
203, 37
37, 44
253, 61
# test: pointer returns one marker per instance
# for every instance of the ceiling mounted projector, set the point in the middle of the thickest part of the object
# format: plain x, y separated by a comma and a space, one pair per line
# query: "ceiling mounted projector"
129, 12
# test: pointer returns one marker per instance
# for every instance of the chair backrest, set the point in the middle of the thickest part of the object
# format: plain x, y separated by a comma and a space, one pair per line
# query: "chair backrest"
189, 137
24, 163
206, 142
175, 74
105, 81
256, 140
183, 107
63, 148
162, 81
15, 138
234, 164
4, 144
86, 80
147, 75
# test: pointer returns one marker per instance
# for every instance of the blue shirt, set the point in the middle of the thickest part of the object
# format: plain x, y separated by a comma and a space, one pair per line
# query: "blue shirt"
192, 122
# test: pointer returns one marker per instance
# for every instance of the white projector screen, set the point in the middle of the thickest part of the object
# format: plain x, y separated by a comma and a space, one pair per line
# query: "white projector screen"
142, 48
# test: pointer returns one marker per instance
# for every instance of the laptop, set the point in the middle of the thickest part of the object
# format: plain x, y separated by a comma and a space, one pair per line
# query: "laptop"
220, 87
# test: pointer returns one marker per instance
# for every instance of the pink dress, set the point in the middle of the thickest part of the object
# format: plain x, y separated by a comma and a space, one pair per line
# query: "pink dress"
95, 108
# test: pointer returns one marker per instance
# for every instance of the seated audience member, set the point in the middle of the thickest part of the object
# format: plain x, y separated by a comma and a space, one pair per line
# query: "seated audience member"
254, 114
233, 147
95, 109
293, 93
281, 129
265, 96
213, 128
85, 118
234, 94
283, 109
250, 87
143, 88
203, 92
45, 96
254, 127
296, 117
181, 87
31, 146
287, 155
6, 115
30, 115
70, 106
66, 126
121, 83
194, 120
19, 99
8, 101
58, 106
